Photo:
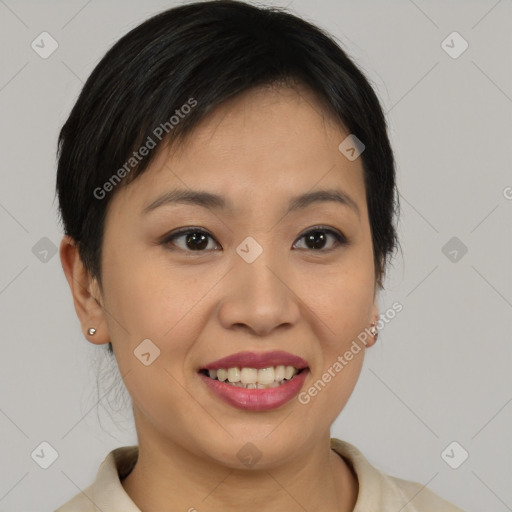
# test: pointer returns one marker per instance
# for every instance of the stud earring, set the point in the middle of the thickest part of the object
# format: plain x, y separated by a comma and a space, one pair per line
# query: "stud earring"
92, 331
373, 330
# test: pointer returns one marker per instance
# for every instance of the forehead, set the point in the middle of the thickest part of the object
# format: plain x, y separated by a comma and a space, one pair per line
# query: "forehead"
268, 119
262, 146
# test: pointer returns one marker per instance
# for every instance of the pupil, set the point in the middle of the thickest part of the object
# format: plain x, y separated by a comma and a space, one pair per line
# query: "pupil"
193, 238
315, 237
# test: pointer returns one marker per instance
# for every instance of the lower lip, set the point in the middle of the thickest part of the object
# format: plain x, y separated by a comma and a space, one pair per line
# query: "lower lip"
257, 399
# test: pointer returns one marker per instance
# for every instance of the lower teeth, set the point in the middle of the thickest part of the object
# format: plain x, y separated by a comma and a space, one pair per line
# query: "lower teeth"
256, 386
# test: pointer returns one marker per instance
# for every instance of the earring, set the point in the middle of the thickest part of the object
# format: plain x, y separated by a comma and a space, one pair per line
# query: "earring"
373, 330
91, 331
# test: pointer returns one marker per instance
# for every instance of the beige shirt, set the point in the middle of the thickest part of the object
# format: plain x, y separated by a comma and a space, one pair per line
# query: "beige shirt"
378, 492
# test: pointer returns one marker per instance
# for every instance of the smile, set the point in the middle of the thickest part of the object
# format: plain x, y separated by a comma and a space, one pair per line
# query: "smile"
253, 378
255, 396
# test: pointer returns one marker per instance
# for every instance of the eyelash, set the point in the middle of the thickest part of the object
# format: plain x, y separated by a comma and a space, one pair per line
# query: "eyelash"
340, 239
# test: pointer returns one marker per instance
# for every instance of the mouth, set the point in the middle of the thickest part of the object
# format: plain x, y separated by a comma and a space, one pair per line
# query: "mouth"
254, 378
255, 381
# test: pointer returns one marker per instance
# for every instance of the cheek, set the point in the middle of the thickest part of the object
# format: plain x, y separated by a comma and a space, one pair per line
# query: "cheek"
142, 305
342, 298
347, 312
149, 298
327, 393
139, 293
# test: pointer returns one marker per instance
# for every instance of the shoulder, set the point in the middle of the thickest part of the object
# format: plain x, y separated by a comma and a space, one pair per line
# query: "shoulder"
419, 497
79, 503
107, 492
379, 491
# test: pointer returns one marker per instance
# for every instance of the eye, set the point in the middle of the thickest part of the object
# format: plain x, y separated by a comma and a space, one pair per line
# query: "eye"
316, 238
194, 239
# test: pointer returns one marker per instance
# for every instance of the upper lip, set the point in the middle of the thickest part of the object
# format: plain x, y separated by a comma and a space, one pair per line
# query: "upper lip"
257, 360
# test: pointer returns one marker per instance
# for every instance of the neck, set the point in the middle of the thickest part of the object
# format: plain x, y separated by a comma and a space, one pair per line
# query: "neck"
317, 478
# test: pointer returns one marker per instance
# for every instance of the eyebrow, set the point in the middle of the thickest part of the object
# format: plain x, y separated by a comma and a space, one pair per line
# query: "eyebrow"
217, 202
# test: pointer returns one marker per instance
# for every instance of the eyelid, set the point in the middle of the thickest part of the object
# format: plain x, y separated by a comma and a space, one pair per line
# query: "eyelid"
339, 236
169, 237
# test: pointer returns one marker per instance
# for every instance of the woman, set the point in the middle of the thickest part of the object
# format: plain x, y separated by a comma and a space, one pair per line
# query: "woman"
227, 191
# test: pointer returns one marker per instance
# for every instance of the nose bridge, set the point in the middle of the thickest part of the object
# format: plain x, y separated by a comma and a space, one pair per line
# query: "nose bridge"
258, 295
257, 277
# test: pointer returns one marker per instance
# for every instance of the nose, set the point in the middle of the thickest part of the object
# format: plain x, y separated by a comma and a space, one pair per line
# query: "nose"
259, 296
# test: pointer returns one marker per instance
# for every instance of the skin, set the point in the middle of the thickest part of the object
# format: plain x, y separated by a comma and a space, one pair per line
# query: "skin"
258, 150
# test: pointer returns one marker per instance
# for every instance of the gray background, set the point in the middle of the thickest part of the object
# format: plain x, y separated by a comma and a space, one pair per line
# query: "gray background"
440, 371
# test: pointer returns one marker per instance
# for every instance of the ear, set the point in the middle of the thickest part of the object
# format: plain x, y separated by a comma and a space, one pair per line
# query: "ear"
374, 318
85, 291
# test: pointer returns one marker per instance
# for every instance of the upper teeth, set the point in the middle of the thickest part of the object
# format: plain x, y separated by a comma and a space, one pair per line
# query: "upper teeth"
253, 375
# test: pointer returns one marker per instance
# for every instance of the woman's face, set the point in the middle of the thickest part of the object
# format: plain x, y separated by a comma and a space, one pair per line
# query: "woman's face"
253, 283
